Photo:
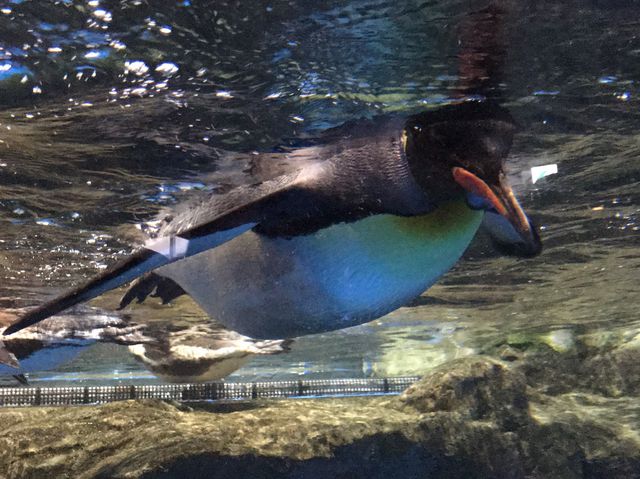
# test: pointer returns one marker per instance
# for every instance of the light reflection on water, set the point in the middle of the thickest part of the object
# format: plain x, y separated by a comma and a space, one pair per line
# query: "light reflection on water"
113, 110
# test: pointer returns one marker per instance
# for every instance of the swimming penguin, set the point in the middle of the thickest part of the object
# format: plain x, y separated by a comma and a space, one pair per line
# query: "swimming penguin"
200, 353
384, 209
177, 354
56, 342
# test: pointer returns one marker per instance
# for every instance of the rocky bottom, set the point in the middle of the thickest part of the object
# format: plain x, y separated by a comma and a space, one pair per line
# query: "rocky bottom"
524, 411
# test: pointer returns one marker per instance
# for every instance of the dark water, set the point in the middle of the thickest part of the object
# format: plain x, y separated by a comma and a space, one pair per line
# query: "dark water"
111, 111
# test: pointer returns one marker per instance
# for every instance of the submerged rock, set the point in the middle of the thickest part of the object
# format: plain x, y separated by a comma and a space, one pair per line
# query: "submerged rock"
472, 418
480, 388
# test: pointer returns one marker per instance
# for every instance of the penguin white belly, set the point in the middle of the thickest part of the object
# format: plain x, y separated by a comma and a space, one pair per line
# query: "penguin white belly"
340, 276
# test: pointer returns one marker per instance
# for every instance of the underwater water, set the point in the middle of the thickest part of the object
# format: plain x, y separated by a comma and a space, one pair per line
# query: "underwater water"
111, 112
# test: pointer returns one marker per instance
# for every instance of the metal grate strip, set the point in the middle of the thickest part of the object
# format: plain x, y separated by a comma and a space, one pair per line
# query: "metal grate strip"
218, 391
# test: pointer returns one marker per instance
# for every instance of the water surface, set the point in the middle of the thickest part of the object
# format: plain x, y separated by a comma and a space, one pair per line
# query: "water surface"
111, 111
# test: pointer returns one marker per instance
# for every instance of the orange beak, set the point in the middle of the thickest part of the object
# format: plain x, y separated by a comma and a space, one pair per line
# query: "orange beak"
504, 202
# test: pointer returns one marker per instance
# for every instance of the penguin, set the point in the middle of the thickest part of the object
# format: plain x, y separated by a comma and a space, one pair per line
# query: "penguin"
379, 210
200, 353
176, 354
60, 340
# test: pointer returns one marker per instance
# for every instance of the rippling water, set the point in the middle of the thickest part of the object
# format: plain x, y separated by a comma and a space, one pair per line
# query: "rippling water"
111, 111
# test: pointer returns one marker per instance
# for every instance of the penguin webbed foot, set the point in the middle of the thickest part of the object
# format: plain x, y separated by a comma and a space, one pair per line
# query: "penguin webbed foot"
154, 285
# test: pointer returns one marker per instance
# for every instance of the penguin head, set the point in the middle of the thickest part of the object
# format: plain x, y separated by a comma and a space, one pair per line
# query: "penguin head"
459, 151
